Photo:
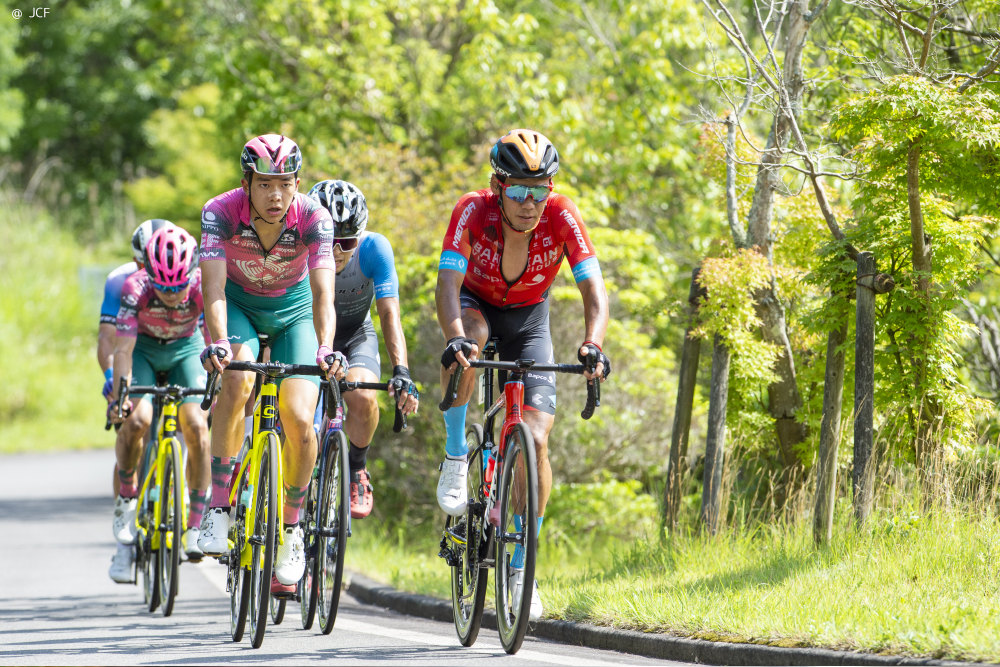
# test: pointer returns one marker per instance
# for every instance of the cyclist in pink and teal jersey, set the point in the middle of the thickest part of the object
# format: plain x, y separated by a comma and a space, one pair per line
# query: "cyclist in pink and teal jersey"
158, 332
268, 267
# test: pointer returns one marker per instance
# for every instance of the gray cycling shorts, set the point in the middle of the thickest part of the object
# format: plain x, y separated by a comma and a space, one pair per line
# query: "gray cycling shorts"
361, 348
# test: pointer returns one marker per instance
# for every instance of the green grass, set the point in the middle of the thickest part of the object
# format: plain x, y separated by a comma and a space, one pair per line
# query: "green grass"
48, 337
916, 585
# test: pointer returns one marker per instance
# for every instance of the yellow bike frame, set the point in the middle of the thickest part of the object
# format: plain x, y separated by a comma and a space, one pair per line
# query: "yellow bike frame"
265, 415
153, 482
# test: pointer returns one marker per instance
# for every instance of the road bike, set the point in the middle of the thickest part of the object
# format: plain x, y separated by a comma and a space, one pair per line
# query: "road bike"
258, 495
327, 515
500, 516
161, 508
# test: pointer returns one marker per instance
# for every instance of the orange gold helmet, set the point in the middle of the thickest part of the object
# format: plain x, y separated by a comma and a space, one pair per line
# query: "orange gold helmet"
524, 154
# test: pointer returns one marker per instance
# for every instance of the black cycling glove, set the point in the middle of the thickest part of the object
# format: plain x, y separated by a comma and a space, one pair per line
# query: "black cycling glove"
454, 345
403, 383
597, 352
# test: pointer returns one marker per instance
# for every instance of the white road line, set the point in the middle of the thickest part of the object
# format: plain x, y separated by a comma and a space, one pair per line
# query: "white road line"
435, 640
216, 575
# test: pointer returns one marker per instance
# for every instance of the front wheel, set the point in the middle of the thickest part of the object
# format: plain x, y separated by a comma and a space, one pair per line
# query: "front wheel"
517, 539
171, 513
468, 578
263, 540
307, 584
332, 527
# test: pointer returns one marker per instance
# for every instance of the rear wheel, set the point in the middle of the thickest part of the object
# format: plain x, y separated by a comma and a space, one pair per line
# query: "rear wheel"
145, 520
239, 576
516, 541
171, 512
334, 517
468, 578
263, 540
277, 610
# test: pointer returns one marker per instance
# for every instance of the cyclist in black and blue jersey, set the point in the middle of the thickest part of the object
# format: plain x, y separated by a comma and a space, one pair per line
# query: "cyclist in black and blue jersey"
366, 273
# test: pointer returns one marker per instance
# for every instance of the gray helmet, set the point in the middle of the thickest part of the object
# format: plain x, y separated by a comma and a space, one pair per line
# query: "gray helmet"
345, 203
142, 234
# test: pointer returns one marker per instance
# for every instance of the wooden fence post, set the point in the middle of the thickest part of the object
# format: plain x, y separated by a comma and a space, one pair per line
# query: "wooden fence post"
869, 283
690, 355
715, 447
829, 437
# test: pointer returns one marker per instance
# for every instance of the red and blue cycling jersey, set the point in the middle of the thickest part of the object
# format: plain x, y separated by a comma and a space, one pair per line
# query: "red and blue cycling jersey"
142, 312
306, 243
474, 246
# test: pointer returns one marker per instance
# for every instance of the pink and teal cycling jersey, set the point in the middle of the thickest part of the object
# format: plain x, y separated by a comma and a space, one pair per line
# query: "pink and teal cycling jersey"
142, 312
306, 243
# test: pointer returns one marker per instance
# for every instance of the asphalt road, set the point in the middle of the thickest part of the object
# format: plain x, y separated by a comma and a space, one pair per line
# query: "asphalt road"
58, 606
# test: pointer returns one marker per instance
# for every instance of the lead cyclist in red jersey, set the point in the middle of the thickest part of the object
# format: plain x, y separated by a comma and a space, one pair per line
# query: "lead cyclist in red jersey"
501, 253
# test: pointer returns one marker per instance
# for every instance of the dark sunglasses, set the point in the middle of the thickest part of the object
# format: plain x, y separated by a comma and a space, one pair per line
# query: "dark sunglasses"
346, 244
171, 289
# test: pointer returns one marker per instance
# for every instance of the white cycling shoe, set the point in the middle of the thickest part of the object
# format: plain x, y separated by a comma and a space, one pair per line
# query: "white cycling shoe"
122, 570
290, 562
214, 539
123, 525
452, 491
535, 611
189, 544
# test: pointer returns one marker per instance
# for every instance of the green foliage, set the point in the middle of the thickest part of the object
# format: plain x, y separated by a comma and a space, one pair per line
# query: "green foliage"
580, 517
48, 331
727, 311
11, 99
186, 153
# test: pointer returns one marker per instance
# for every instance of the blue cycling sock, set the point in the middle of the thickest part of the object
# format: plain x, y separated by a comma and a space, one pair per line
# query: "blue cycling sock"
454, 423
517, 558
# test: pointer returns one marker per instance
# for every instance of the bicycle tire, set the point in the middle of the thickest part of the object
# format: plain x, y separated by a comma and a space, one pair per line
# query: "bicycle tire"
238, 577
277, 610
169, 525
334, 517
150, 580
307, 589
518, 492
468, 578
145, 557
265, 530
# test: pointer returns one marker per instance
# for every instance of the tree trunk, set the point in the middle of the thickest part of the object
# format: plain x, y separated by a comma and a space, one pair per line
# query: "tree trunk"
864, 387
829, 437
682, 413
715, 447
929, 409
784, 399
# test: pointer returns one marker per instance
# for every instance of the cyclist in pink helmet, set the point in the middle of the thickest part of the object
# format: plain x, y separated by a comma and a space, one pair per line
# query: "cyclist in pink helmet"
267, 260
157, 333
170, 256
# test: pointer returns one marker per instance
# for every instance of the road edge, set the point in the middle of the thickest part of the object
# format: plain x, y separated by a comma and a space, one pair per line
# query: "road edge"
647, 644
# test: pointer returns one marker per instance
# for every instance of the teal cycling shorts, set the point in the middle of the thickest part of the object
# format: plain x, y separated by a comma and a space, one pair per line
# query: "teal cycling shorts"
287, 320
177, 358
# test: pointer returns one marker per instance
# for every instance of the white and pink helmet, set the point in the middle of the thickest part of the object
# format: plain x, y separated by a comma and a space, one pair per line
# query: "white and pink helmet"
271, 154
170, 257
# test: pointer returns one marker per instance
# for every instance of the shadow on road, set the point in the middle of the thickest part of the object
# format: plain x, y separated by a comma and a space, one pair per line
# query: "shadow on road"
36, 510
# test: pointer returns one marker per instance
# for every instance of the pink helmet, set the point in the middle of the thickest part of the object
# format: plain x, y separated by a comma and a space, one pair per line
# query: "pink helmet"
271, 154
170, 256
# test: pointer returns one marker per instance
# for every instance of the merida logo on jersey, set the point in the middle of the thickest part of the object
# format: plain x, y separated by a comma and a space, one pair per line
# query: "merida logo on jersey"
457, 239
568, 217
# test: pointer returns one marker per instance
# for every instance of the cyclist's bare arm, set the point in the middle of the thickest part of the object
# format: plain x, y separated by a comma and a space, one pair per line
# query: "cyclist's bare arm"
213, 289
595, 314
322, 281
124, 345
449, 310
395, 343
106, 345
